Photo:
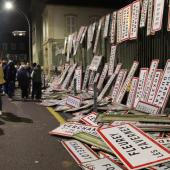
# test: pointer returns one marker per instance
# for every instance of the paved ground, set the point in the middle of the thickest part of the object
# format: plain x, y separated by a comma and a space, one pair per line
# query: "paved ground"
24, 140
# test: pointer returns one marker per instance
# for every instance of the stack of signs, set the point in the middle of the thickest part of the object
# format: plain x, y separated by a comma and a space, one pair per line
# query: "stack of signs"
113, 28
126, 16
133, 147
127, 81
73, 101
95, 63
143, 13
80, 152
112, 60
106, 26
158, 15
135, 19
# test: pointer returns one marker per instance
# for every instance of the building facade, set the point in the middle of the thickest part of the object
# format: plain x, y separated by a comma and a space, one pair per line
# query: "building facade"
57, 22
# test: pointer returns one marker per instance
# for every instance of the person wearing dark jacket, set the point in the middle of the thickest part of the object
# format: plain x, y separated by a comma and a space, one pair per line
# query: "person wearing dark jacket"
23, 79
36, 82
11, 77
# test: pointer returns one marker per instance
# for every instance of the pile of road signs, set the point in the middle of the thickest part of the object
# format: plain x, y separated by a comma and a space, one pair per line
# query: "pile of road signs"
131, 134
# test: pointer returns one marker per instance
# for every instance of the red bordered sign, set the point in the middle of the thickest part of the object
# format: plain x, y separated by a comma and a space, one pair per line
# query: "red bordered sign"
73, 101
142, 80
135, 19
119, 25
132, 93
80, 152
69, 129
164, 87
90, 119
158, 15
155, 85
147, 108
133, 147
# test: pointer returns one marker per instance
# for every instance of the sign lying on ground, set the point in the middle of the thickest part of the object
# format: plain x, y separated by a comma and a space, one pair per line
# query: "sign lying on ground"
90, 119
80, 152
134, 147
73, 101
102, 164
147, 108
69, 129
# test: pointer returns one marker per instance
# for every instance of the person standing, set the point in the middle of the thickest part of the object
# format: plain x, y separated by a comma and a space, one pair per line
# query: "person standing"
36, 82
23, 79
2, 81
11, 77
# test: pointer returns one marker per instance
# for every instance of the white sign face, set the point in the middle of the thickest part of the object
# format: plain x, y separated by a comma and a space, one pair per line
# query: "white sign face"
163, 91
155, 84
168, 28
90, 119
147, 108
163, 141
149, 21
109, 83
118, 83
143, 13
113, 28
80, 152
90, 34
158, 15
149, 81
67, 79
97, 35
106, 26
133, 147
164, 166
112, 60
125, 22
69, 46
135, 19
103, 76
86, 78
119, 25
142, 80
127, 81
73, 101
102, 164
95, 63
65, 45
64, 74
78, 77
132, 93
91, 79
69, 129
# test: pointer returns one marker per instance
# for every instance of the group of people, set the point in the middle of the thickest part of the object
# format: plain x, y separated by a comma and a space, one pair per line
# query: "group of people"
28, 77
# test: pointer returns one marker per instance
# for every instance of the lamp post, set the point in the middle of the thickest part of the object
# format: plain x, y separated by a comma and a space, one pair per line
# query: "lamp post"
9, 6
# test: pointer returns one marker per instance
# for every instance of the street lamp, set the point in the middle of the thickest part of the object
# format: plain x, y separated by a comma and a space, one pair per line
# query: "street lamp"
9, 6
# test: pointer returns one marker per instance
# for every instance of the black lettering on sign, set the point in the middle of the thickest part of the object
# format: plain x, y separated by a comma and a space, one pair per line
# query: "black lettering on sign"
157, 153
108, 167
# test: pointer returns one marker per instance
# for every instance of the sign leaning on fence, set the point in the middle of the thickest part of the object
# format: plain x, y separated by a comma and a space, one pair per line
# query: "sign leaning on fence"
112, 60
158, 15
163, 91
143, 13
149, 21
113, 28
95, 63
119, 25
106, 26
133, 147
135, 19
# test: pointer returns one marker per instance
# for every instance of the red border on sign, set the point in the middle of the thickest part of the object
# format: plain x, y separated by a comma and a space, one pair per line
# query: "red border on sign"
133, 38
160, 18
74, 156
158, 108
116, 151
85, 121
161, 81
